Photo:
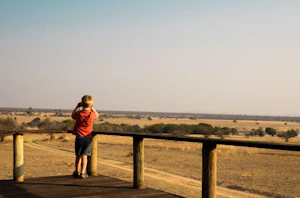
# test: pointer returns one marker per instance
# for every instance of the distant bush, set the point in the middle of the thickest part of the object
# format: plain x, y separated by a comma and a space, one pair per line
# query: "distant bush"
47, 124
257, 132
7, 124
271, 131
203, 129
234, 131
68, 124
184, 129
155, 128
138, 117
116, 127
35, 122
224, 131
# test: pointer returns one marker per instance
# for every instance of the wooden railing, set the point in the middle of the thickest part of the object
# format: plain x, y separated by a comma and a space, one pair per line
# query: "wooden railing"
209, 155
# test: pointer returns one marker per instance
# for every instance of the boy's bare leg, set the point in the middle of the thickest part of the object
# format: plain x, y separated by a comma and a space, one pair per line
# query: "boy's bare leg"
78, 163
84, 163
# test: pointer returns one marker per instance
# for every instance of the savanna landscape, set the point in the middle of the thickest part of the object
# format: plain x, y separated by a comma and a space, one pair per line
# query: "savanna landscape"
170, 166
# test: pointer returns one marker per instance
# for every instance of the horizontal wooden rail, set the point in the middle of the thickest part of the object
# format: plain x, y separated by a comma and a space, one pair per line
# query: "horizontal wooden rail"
255, 144
267, 145
33, 131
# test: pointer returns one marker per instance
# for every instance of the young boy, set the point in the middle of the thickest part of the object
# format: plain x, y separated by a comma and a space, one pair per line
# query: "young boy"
83, 131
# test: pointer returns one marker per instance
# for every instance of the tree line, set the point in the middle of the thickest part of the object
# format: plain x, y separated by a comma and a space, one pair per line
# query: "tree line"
204, 129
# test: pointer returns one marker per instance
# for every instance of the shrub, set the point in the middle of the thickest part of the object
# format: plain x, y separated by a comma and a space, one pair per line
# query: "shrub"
168, 128
34, 123
234, 131
257, 132
68, 124
155, 128
220, 133
47, 124
261, 133
226, 130
7, 124
185, 129
138, 117
204, 129
271, 131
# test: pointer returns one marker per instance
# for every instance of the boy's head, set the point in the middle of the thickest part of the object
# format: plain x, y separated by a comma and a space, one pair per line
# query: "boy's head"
87, 101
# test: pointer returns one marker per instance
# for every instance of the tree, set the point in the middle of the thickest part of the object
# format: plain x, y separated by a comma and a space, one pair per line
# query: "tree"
271, 131
287, 135
29, 111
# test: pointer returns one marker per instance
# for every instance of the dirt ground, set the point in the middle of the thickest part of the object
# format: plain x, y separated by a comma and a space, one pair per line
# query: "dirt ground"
170, 166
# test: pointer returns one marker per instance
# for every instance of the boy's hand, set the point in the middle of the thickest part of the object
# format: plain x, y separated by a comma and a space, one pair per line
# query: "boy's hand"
79, 105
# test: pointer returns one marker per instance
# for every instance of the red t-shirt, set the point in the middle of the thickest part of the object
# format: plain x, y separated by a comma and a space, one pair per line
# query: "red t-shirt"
84, 123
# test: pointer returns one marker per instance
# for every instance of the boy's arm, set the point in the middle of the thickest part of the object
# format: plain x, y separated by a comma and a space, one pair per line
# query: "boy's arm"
94, 110
75, 110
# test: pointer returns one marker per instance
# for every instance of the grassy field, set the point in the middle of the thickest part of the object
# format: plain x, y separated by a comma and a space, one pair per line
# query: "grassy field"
240, 125
267, 172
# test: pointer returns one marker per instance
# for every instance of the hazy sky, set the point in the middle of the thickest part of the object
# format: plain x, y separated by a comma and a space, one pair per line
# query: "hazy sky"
213, 56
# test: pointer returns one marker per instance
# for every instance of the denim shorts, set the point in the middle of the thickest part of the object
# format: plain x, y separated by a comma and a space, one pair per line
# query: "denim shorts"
83, 146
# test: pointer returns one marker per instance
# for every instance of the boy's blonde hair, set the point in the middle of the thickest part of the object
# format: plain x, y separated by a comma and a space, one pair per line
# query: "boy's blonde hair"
87, 101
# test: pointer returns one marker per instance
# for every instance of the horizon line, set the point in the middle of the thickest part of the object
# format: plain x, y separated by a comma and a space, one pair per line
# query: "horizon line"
164, 112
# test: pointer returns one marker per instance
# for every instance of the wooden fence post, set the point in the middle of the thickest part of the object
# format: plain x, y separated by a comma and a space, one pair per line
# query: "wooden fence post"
93, 163
209, 170
18, 157
138, 162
